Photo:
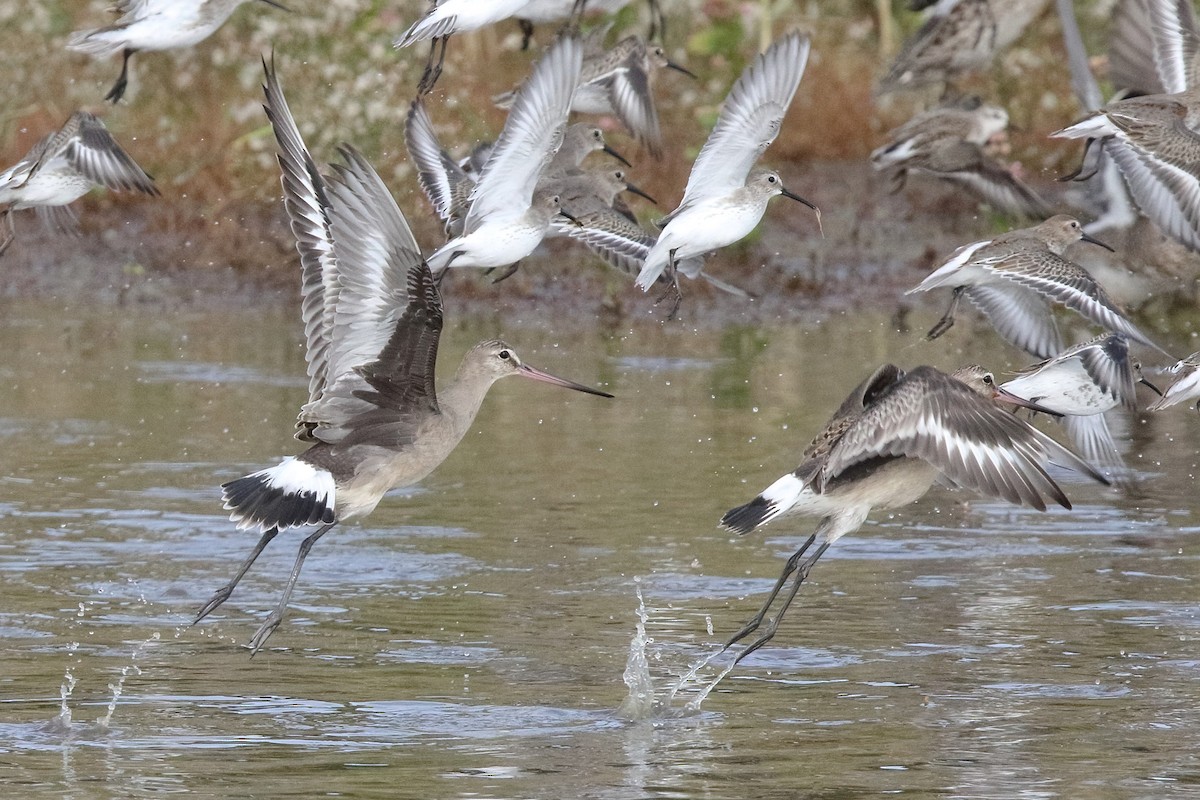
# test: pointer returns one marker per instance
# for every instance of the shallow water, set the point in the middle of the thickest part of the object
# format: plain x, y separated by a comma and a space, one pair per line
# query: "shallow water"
469, 638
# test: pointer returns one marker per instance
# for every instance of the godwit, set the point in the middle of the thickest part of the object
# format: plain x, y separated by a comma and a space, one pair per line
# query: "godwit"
724, 200
63, 167
884, 448
372, 317
154, 25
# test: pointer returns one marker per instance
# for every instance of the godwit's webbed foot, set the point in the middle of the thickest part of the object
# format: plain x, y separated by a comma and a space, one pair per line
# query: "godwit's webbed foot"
214, 602
947, 321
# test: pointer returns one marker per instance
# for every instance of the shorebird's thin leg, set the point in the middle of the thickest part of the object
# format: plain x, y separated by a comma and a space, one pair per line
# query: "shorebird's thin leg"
757, 619
674, 291
10, 229
275, 617
222, 594
433, 67
509, 271
947, 321
118, 89
768, 634
1078, 175
526, 33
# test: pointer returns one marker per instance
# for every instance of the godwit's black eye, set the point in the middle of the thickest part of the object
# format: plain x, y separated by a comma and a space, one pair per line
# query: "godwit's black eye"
505, 355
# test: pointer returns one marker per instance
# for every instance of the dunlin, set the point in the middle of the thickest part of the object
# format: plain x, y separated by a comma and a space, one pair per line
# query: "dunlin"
508, 217
63, 167
948, 143
154, 25
724, 200
1012, 278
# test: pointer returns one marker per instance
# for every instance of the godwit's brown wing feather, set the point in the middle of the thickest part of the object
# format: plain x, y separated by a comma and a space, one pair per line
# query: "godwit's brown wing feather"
403, 375
931, 416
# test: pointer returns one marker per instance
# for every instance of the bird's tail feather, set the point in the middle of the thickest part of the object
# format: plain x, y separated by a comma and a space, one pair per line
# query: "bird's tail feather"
289, 495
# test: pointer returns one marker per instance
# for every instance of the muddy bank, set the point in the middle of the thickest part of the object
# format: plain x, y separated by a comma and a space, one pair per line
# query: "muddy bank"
875, 246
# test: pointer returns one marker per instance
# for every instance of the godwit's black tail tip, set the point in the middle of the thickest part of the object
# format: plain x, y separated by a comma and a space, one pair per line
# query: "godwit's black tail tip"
288, 495
744, 519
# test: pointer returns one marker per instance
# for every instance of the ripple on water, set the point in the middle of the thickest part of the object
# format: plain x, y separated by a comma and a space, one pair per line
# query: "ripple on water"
207, 372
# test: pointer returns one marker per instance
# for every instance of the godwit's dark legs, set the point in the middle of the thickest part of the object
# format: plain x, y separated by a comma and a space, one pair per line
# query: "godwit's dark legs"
222, 594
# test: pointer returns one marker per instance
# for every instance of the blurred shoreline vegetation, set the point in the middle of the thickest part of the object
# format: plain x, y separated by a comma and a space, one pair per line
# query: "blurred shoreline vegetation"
193, 117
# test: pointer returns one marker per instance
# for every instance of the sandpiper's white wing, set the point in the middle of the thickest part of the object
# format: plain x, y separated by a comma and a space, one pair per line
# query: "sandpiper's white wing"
1166, 192
1186, 385
95, 154
1021, 316
749, 122
1068, 284
1095, 443
632, 98
17, 174
441, 178
1172, 27
531, 136
930, 415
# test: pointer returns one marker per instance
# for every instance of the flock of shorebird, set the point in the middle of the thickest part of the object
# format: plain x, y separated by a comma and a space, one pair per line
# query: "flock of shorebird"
372, 308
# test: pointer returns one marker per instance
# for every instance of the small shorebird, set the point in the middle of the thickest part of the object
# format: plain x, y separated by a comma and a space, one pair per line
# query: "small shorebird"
1082, 383
154, 25
1155, 139
1186, 386
884, 448
63, 167
620, 81
372, 317
958, 37
448, 17
1011, 279
949, 143
509, 214
724, 200
542, 12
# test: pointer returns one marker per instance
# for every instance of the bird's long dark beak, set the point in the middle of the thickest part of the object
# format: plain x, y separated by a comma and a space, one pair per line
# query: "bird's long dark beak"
1153, 388
616, 155
571, 217
683, 69
799, 199
1004, 396
1096, 242
527, 371
629, 187
280, 6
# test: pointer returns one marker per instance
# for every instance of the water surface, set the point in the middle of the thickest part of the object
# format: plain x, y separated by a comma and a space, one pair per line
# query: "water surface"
469, 638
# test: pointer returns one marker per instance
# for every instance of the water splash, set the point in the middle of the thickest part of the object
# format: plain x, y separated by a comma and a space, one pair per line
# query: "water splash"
116, 688
639, 704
